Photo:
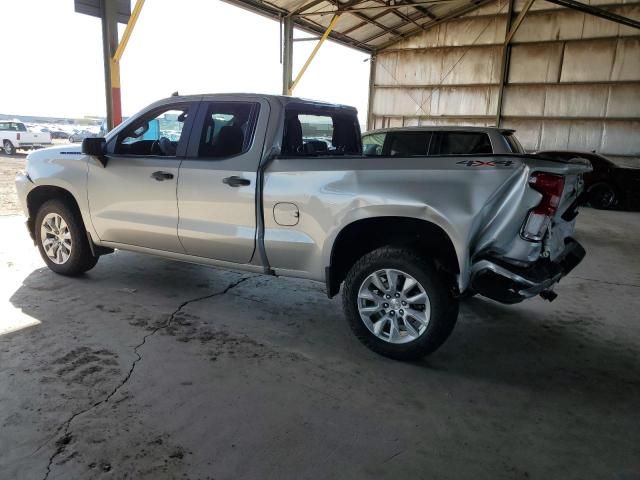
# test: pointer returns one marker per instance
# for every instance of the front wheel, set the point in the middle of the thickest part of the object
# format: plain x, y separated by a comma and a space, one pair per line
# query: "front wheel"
398, 304
9, 149
62, 239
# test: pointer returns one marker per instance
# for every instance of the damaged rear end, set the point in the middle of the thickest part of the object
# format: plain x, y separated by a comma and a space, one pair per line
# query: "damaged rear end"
544, 250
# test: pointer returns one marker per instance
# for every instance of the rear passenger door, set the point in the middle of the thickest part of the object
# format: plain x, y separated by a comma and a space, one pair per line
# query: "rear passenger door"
218, 177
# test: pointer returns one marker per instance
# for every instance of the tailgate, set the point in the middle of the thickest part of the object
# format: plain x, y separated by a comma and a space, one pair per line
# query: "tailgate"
36, 138
563, 223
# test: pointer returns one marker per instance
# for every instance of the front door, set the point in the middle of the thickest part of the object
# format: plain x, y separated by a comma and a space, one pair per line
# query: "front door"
217, 183
132, 199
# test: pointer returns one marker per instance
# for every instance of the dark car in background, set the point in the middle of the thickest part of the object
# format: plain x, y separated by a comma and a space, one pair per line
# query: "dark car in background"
609, 185
59, 134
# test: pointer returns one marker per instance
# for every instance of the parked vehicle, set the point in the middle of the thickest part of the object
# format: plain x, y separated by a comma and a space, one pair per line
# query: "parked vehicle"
59, 134
608, 185
434, 141
243, 188
15, 136
79, 135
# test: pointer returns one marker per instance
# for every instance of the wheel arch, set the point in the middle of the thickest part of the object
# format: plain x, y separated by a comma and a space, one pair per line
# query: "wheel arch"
43, 193
365, 235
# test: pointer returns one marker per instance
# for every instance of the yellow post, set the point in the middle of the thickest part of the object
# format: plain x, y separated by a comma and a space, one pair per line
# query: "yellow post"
116, 98
127, 31
326, 33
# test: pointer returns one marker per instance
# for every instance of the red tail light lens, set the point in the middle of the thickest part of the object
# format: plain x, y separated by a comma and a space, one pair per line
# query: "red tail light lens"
551, 187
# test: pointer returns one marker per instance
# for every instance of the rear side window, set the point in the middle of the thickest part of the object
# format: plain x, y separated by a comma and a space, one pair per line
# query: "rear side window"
319, 133
13, 126
228, 129
461, 143
406, 144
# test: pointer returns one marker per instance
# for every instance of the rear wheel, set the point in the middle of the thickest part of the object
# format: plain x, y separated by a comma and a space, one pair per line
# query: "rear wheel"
397, 304
9, 149
602, 195
62, 239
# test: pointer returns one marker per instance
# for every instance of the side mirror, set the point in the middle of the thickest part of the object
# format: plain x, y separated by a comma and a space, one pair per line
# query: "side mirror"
95, 146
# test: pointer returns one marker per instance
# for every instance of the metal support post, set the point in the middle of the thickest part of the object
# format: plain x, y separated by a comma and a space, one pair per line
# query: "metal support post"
109, 46
511, 29
287, 54
372, 86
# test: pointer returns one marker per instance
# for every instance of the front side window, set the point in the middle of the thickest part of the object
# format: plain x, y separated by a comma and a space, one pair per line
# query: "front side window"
311, 133
462, 143
158, 133
228, 129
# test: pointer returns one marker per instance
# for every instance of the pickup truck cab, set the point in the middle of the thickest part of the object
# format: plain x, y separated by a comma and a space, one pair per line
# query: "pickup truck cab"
279, 185
14, 136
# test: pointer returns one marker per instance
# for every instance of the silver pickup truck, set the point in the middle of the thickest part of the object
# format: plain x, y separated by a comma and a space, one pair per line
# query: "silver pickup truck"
280, 186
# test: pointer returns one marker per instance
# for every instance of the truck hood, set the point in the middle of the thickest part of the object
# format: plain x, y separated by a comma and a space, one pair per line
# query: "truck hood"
67, 151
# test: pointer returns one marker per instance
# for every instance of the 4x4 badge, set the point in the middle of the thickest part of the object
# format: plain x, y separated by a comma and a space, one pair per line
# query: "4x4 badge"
490, 163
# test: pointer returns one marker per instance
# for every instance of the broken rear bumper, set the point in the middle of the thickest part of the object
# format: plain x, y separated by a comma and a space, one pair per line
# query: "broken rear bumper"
507, 283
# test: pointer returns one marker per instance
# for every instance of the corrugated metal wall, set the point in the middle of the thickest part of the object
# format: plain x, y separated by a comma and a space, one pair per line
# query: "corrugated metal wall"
573, 80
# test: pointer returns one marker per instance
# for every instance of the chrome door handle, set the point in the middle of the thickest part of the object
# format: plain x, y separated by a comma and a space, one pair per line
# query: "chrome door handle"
161, 176
236, 181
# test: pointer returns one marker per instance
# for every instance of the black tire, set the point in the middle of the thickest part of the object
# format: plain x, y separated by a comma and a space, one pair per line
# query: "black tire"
8, 147
80, 259
444, 307
602, 196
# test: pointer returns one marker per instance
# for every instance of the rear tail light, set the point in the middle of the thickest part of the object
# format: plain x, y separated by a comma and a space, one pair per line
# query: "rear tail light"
551, 187
17, 136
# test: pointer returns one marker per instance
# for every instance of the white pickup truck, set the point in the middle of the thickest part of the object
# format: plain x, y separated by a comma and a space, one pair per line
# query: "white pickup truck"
15, 136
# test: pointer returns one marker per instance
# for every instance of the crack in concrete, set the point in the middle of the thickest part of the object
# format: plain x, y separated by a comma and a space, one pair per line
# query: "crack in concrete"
608, 283
67, 436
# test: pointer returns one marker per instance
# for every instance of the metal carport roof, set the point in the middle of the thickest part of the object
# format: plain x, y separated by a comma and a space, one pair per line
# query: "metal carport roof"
367, 25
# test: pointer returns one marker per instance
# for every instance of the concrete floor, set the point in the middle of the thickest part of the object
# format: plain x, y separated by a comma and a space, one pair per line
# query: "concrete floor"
146, 368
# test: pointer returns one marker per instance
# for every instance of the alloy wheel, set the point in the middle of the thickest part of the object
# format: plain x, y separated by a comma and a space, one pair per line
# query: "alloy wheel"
56, 238
394, 306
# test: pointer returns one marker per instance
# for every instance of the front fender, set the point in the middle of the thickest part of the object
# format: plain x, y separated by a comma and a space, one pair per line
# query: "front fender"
61, 167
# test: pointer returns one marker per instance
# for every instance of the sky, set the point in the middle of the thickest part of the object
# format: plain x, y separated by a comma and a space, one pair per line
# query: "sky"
192, 46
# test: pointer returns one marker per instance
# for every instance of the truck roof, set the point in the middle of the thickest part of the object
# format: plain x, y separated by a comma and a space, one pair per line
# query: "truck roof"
282, 99
430, 128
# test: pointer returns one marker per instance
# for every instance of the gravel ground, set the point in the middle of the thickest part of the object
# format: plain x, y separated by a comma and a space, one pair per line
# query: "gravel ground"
146, 368
9, 167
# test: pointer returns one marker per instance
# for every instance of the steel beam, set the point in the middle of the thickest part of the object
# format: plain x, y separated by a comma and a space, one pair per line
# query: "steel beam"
515, 24
511, 28
326, 33
128, 30
109, 15
372, 86
287, 54
475, 4
598, 12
